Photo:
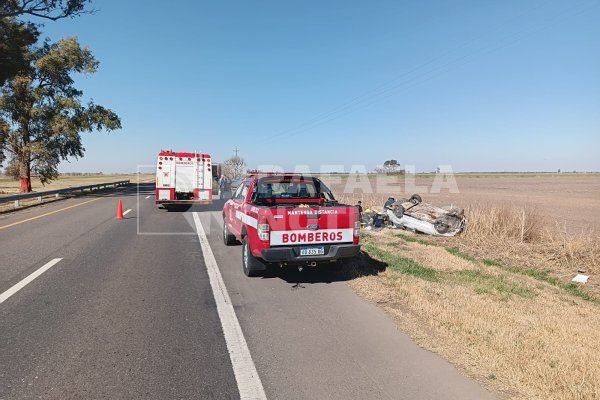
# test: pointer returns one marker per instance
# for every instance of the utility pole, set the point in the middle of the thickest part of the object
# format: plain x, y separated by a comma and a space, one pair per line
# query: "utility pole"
236, 151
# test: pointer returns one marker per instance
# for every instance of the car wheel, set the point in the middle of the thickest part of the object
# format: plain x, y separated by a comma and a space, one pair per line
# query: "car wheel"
415, 199
399, 211
441, 227
251, 265
228, 238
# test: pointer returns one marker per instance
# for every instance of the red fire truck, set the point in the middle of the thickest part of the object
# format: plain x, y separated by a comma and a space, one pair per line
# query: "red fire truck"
289, 219
183, 178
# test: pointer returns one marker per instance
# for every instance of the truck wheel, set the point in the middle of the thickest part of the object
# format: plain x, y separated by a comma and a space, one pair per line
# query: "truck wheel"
228, 238
252, 265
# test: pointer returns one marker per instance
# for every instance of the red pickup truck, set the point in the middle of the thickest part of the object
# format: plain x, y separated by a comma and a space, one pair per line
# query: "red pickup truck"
289, 219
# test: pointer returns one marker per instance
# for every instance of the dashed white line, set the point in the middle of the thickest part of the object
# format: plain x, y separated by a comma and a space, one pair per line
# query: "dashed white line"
246, 376
4, 296
127, 211
147, 197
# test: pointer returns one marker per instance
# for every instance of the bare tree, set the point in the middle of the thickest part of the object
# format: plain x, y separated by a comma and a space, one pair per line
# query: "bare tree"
234, 167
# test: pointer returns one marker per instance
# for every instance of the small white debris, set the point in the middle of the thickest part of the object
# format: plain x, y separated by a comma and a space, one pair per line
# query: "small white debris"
579, 278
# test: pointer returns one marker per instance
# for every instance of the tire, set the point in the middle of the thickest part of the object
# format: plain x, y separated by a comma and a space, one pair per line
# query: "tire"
251, 265
441, 227
399, 212
228, 238
415, 199
389, 202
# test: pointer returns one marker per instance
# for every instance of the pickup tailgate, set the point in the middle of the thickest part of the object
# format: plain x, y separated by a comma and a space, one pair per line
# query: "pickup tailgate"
312, 225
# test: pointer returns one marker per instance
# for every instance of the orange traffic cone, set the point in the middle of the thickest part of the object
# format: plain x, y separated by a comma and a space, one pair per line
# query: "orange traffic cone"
120, 210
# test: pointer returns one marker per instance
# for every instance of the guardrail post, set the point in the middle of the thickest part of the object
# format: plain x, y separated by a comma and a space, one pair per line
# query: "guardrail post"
39, 198
16, 203
57, 195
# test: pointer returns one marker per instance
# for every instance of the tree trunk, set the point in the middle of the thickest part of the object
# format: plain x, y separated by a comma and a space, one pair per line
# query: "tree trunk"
25, 172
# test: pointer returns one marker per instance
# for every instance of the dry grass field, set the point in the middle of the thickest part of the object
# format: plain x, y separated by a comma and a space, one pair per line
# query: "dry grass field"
547, 222
522, 335
497, 300
9, 186
572, 201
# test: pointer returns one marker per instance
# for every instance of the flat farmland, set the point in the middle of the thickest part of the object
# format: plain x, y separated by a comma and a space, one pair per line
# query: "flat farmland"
569, 201
9, 186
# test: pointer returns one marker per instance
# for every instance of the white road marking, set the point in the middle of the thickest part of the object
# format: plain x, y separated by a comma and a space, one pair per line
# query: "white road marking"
126, 212
4, 296
246, 376
147, 197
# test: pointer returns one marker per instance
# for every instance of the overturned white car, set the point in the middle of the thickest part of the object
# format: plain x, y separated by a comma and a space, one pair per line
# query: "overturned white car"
413, 214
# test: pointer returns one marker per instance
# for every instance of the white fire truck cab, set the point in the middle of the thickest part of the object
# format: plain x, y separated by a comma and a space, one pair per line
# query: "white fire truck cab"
183, 178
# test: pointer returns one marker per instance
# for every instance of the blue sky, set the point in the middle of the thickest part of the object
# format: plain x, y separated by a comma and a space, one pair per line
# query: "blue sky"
478, 85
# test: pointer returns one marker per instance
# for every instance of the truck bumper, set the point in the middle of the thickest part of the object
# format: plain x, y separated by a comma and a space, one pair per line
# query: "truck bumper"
176, 202
292, 254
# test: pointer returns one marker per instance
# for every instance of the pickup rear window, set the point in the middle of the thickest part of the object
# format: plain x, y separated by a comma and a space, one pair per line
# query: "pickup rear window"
286, 190
273, 188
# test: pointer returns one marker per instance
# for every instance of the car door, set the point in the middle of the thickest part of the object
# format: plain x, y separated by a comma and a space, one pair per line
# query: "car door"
236, 206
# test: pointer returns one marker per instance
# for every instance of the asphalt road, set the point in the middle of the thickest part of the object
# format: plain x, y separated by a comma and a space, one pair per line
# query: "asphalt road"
128, 311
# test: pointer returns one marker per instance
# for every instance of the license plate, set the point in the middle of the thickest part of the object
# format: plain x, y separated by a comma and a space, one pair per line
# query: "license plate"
312, 251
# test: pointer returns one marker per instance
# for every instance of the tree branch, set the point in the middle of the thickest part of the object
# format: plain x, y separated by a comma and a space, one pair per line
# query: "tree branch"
52, 10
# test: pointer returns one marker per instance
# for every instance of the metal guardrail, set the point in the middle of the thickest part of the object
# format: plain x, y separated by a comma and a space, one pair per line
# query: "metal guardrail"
57, 192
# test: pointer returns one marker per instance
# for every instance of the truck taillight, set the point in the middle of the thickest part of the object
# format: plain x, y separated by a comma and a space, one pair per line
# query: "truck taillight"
263, 232
356, 229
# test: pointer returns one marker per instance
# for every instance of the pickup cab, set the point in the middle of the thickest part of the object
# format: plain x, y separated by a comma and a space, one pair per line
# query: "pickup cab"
289, 219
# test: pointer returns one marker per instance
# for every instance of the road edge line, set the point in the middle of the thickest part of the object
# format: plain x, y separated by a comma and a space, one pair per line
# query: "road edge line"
246, 376
27, 280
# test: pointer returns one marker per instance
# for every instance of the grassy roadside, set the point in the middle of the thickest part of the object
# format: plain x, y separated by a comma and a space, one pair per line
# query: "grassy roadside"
542, 276
520, 332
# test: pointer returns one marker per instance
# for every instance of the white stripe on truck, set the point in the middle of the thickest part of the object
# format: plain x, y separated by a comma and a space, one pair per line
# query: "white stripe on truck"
248, 220
289, 238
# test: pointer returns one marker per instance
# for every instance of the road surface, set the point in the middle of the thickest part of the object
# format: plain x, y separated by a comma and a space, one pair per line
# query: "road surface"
154, 306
